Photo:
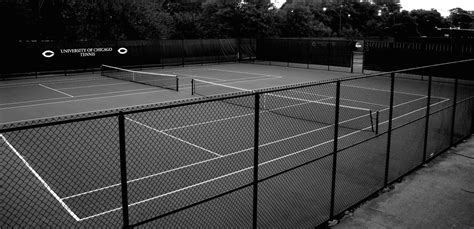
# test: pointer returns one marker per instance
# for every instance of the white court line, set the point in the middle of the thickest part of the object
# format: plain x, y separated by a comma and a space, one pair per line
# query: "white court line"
97, 85
205, 77
78, 96
40, 179
200, 162
398, 92
58, 91
243, 115
174, 137
90, 78
227, 155
249, 168
352, 100
154, 90
228, 80
76, 100
247, 73
212, 159
114, 108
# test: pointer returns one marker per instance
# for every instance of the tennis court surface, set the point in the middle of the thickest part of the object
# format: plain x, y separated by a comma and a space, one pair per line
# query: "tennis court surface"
196, 162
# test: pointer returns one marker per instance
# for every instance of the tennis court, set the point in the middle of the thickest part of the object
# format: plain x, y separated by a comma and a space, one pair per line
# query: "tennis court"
48, 97
184, 154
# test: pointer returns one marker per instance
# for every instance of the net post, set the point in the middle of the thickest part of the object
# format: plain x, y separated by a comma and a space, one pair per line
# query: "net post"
192, 86
352, 62
363, 56
427, 120
177, 83
123, 170
255, 159
377, 122
389, 134
453, 118
335, 148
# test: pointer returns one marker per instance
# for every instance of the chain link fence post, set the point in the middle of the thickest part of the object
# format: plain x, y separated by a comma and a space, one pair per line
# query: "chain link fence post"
428, 105
389, 133
255, 159
334, 156
123, 170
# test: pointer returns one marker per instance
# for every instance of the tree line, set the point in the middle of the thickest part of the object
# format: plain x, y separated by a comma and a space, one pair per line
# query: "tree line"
143, 20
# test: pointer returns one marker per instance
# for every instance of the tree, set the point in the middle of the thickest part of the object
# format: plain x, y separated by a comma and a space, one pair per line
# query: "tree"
427, 21
460, 18
298, 21
403, 25
258, 21
18, 21
186, 25
119, 20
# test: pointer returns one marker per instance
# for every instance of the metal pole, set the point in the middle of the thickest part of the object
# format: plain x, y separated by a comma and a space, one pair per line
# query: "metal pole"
255, 158
123, 170
220, 51
340, 20
389, 134
453, 118
329, 54
177, 84
352, 61
334, 156
202, 49
287, 53
309, 54
427, 121
377, 122
182, 52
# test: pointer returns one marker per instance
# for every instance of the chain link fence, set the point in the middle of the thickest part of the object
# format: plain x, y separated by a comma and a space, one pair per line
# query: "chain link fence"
293, 156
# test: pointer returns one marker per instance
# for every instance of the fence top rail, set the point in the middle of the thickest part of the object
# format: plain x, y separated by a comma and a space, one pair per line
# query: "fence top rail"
403, 70
21, 125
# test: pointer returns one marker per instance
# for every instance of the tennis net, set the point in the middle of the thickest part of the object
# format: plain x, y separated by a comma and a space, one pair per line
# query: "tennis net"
280, 103
167, 81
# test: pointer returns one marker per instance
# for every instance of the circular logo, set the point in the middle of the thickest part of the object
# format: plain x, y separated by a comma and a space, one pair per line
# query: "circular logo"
313, 43
122, 50
48, 53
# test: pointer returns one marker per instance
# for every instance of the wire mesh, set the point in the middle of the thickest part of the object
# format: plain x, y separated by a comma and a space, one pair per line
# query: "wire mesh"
54, 173
192, 163
177, 157
296, 199
359, 172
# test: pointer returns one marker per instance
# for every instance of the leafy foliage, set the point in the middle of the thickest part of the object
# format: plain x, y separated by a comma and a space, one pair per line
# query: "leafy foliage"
172, 19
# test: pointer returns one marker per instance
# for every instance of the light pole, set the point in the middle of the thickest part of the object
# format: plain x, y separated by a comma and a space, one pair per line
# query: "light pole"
340, 17
340, 20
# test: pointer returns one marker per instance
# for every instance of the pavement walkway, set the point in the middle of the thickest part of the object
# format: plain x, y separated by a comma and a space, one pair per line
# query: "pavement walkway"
441, 195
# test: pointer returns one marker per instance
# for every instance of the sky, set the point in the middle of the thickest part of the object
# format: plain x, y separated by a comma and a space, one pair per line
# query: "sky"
442, 6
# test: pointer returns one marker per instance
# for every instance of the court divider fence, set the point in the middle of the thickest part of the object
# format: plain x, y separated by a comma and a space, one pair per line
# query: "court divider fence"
225, 161
68, 58
390, 56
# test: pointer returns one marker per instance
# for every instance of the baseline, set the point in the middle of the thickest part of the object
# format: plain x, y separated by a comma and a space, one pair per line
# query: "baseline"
40, 178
